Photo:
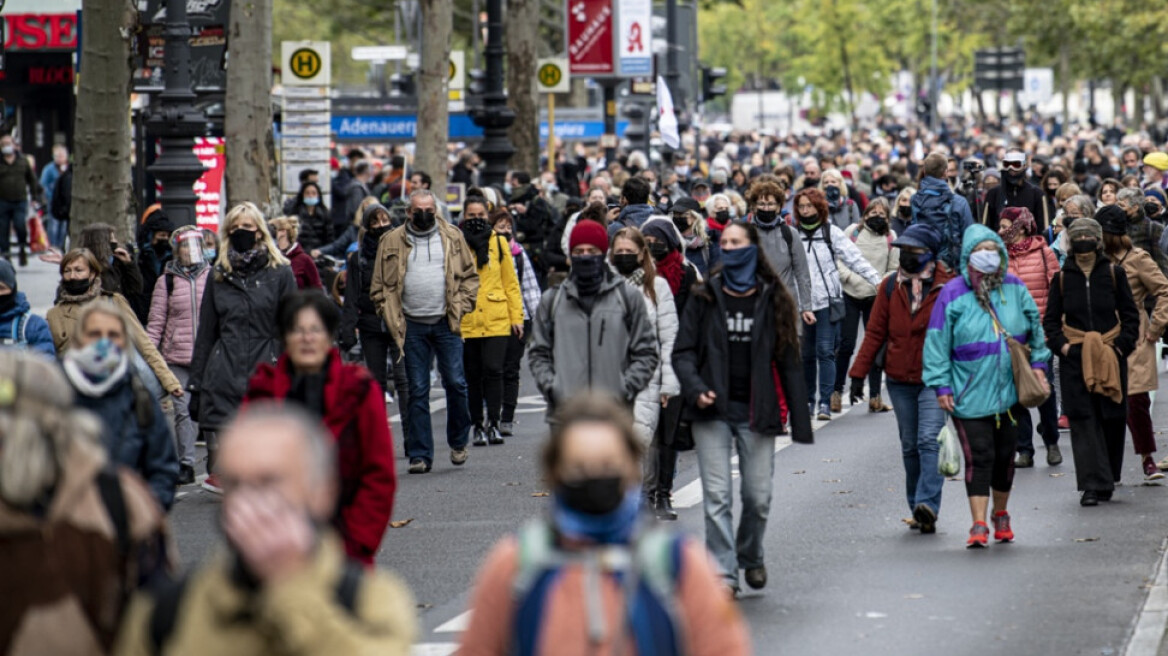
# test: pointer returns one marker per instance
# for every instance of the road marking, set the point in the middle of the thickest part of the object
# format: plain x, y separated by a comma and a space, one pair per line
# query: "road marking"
691, 494
456, 625
434, 649
1153, 617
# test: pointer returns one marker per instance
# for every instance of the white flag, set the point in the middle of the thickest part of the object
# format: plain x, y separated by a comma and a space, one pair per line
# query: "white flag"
666, 118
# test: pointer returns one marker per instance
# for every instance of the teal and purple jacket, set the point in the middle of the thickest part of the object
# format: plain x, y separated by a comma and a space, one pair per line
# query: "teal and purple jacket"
964, 353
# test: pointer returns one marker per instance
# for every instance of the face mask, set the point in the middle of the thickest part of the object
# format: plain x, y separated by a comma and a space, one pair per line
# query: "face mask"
833, 197
1014, 177
312, 201
7, 150
242, 241
551, 188
985, 261
209, 254
615, 526
682, 222
98, 361
766, 218
375, 233
504, 235
681, 170
507, 189
810, 182
162, 248
738, 268
588, 272
659, 250
878, 224
422, 221
1084, 246
626, 263
914, 262
594, 496
808, 226
75, 287
722, 216
905, 211
7, 302
1151, 209
475, 226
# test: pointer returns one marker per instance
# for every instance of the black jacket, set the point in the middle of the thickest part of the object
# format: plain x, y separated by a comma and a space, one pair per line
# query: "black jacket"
359, 311
700, 361
1007, 195
237, 331
1096, 307
316, 228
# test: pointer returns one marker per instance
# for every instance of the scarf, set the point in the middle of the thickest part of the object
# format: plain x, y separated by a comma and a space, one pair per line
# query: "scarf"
694, 242
636, 278
95, 369
671, 268
615, 527
308, 389
1022, 246
917, 284
80, 299
480, 242
248, 261
983, 285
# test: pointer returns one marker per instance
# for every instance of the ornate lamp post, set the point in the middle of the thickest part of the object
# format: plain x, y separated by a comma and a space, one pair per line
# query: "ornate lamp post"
494, 117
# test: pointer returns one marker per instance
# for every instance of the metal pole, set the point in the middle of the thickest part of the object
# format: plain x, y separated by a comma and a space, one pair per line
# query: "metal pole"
495, 117
934, 96
609, 119
551, 144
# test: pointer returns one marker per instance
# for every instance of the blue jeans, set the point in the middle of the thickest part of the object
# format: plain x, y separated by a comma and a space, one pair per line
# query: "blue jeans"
819, 342
715, 442
920, 420
13, 215
56, 231
423, 342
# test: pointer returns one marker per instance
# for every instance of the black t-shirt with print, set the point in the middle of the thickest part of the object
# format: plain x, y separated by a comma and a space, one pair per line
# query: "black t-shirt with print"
739, 322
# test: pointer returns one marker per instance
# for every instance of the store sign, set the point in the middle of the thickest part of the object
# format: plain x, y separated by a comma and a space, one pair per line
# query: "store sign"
209, 188
38, 75
590, 50
40, 32
635, 51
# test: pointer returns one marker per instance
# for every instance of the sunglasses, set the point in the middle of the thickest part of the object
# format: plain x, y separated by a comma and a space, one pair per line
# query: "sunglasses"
1014, 166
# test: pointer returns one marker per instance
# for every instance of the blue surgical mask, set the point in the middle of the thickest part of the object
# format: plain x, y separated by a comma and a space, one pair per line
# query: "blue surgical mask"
507, 189
312, 201
980, 261
209, 254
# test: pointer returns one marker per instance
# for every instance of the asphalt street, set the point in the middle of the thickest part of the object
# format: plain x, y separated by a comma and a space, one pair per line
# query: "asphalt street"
846, 575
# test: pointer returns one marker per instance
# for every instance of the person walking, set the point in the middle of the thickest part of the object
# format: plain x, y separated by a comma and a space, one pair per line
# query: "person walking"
174, 320
842, 210
18, 182
1015, 191
286, 231
19, 327
966, 362
1093, 323
900, 318
497, 316
538, 592
424, 283
1035, 264
56, 227
935, 205
700, 249
316, 224
875, 240
592, 332
824, 243
237, 323
516, 344
311, 374
737, 338
1146, 282
766, 200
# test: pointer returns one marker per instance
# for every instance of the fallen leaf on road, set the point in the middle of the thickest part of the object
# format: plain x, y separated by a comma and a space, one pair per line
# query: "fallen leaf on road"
510, 484
842, 492
1057, 475
539, 494
400, 523
425, 606
801, 471
831, 480
1086, 539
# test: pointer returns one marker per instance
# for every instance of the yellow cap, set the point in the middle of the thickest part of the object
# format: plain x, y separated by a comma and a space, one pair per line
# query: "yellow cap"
1158, 160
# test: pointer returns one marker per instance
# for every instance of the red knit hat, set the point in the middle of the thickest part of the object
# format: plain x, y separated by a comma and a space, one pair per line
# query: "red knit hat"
591, 233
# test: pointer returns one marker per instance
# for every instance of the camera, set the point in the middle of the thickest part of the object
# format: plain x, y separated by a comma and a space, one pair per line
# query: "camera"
973, 165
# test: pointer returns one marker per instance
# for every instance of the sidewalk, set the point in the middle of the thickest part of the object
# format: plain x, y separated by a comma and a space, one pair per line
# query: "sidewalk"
1150, 628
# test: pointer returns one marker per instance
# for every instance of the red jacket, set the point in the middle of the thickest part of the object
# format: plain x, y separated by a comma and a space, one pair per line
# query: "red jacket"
303, 268
1036, 267
891, 321
355, 414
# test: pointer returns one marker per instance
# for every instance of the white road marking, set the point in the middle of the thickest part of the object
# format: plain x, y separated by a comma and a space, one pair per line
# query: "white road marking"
1153, 617
456, 625
434, 649
690, 495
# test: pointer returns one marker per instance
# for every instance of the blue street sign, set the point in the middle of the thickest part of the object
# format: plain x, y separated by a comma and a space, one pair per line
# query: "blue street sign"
404, 127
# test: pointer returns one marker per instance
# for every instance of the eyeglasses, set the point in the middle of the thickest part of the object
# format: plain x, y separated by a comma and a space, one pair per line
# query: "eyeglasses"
1013, 166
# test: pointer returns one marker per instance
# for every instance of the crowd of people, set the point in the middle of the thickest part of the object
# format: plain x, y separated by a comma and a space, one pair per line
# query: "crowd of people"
714, 303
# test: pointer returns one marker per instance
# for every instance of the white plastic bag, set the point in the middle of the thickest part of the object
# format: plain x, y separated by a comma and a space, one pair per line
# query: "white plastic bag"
949, 455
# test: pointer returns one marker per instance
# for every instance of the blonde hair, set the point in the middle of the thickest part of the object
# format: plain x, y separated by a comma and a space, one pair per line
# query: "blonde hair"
835, 173
246, 210
40, 426
908, 192
365, 202
289, 223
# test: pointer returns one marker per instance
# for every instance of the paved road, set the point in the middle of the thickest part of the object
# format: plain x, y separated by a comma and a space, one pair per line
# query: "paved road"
846, 576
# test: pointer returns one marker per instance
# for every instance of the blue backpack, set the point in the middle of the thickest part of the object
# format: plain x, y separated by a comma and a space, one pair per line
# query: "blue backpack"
18, 339
931, 209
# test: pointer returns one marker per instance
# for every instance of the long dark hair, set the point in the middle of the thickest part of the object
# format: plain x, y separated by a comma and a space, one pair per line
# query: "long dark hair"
786, 314
321, 207
95, 238
634, 235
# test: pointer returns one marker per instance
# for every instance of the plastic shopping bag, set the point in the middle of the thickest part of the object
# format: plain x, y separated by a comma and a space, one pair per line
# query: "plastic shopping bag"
38, 241
949, 456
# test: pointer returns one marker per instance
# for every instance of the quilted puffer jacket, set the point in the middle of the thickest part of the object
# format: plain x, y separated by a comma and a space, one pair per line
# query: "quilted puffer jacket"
174, 313
1036, 267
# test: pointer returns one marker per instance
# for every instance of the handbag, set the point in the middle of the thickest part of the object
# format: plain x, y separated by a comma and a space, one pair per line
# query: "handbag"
1031, 392
836, 310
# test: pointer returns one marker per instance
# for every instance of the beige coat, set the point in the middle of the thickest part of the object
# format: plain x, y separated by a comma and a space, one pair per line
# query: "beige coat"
389, 274
877, 250
1145, 278
62, 320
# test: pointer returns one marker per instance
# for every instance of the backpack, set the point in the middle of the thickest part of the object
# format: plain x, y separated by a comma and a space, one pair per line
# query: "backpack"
941, 216
18, 339
649, 572
168, 594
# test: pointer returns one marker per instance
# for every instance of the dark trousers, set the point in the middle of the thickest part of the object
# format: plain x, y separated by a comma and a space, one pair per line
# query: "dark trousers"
661, 459
1139, 422
512, 367
989, 444
381, 356
1047, 416
482, 359
13, 215
857, 309
1098, 447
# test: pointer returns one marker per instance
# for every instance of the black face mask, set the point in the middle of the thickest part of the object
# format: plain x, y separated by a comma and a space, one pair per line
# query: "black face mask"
1082, 247
7, 302
914, 262
905, 211
242, 241
588, 272
161, 248
422, 221
592, 496
681, 221
878, 224
475, 226
659, 250
1014, 177
75, 287
1151, 209
376, 233
626, 263
722, 216
766, 219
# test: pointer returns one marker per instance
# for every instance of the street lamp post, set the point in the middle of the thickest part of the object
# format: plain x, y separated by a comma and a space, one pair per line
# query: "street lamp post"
177, 122
494, 117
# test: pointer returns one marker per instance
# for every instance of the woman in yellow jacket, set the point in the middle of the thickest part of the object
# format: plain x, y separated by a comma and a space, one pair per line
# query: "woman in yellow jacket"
498, 313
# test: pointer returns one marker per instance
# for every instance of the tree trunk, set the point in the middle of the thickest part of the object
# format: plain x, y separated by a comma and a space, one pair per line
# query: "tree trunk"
102, 188
1157, 99
433, 74
1117, 100
522, 38
248, 123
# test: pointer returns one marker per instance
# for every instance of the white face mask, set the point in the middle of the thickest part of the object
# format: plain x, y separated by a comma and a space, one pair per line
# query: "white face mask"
985, 261
8, 150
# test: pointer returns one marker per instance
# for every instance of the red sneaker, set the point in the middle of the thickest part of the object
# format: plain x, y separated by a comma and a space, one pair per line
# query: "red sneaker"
1064, 423
211, 484
979, 536
1002, 530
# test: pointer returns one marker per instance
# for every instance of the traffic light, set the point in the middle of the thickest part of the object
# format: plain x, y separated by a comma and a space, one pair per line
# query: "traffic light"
403, 84
637, 132
477, 86
712, 87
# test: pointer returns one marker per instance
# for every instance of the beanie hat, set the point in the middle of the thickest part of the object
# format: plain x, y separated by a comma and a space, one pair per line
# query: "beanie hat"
1158, 193
591, 233
1085, 227
1111, 219
1020, 218
663, 230
7, 275
1157, 159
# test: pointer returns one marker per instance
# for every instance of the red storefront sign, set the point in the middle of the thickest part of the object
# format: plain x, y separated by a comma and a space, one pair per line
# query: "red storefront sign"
590, 37
40, 32
209, 188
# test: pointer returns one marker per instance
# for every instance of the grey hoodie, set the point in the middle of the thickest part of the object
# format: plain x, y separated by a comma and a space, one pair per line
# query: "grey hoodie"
613, 348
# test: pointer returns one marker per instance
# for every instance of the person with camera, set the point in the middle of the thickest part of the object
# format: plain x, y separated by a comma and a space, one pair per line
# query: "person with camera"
1015, 191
